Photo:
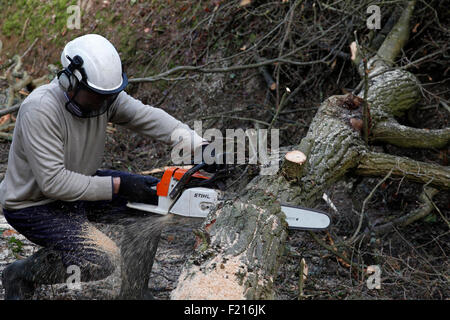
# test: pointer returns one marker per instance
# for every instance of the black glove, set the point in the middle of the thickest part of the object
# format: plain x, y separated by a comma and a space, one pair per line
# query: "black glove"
138, 188
219, 160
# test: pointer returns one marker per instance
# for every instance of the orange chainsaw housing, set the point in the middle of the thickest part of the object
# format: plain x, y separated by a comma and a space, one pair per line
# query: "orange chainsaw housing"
162, 188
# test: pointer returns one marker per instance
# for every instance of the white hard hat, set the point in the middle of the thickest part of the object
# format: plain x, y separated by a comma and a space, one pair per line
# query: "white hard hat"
100, 61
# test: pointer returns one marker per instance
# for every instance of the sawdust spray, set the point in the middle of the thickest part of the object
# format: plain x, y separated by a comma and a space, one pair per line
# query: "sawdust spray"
138, 249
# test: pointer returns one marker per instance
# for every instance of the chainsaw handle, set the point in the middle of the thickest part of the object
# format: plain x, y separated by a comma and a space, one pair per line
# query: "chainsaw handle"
185, 179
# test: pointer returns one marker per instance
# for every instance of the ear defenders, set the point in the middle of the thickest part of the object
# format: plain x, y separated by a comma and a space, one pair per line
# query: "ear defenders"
66, 77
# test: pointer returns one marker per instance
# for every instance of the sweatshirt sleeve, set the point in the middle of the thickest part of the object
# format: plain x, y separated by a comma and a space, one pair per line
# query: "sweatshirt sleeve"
44, 149
153, 122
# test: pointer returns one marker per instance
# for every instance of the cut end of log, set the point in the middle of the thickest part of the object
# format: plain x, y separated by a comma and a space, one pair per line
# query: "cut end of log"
293, 164
218, 281
295, 156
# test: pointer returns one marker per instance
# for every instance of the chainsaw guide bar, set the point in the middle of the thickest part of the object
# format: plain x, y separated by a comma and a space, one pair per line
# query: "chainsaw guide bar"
197, 202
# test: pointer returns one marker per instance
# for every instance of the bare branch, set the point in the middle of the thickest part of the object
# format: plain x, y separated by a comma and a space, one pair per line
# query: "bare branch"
398, 36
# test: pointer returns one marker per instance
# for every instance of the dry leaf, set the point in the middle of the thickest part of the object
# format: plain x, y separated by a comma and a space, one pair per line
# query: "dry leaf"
9, 233
5, 119
209, 225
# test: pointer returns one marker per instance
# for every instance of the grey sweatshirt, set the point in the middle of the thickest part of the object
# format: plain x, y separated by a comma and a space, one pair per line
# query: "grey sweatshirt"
54, 154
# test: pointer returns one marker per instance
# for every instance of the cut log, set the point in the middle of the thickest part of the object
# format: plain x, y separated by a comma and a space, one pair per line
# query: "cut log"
293, 164
271, 84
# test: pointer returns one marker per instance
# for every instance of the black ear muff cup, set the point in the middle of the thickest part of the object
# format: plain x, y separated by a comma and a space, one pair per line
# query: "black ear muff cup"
66, 78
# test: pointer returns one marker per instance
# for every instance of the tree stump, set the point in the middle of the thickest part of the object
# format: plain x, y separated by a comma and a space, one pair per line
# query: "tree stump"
293, 164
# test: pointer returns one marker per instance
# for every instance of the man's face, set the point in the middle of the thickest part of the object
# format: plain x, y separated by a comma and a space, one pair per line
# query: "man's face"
90, 102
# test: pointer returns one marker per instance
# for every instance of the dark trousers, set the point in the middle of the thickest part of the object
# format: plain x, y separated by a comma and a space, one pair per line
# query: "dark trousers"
68, 237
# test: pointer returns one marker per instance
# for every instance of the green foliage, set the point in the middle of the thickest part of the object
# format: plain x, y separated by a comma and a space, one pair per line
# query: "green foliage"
15, 245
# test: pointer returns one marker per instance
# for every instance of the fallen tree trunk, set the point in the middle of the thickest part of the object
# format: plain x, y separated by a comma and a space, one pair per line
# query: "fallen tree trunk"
241, 247
244, 239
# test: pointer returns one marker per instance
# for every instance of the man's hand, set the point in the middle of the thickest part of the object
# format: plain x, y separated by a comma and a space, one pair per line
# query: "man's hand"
137, 188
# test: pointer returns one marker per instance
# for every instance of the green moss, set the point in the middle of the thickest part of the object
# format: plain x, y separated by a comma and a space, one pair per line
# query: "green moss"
34, 18
127, 46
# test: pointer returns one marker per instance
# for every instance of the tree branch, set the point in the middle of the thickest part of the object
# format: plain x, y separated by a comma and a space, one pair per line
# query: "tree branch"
202, 68
424, 209
376, 164
402, 136
9, 110
397, 38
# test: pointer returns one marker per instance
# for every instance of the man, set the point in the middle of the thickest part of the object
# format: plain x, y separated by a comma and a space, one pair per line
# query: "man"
52, 182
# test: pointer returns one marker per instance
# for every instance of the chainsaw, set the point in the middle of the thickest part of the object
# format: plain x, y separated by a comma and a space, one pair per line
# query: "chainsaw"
188, 193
